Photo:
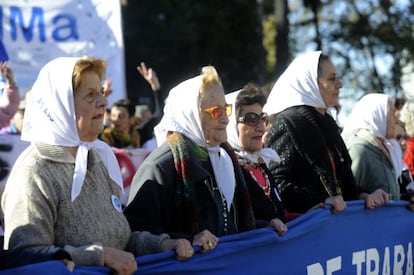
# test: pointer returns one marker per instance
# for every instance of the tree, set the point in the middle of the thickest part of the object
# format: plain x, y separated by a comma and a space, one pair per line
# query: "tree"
282, 38
315, 5
177, 38
369, 41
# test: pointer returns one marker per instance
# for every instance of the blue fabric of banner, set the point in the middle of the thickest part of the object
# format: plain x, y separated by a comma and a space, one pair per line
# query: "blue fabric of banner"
3, 53
355, 241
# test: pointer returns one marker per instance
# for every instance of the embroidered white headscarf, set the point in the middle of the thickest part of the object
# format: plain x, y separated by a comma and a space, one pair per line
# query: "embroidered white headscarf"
266, 154
370, 113
181, 114
50, 118
298, 85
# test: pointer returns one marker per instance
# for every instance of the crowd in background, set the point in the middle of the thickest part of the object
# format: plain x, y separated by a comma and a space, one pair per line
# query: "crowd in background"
205, 165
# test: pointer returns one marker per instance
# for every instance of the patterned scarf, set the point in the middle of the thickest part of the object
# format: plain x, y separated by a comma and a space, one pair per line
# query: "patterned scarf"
185, 201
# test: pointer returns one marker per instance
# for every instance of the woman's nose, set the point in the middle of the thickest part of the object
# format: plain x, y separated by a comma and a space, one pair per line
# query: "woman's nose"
224, 118
102, 101
339, 84
260, 127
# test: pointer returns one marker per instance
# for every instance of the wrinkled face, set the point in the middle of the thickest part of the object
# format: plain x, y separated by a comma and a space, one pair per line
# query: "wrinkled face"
120, 119
90, 104
329, 84
250, 137
214, 129
392, 122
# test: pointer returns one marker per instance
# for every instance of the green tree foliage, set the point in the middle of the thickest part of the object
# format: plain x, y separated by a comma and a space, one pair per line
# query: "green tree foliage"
177, 38
370, 41
269, 39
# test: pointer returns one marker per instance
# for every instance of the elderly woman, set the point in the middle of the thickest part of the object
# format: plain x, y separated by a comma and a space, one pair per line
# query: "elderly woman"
369, 134
63, 192
192, 186
315, 167
245, 132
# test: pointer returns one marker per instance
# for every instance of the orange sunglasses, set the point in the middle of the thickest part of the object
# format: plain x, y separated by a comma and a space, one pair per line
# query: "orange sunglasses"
216, 112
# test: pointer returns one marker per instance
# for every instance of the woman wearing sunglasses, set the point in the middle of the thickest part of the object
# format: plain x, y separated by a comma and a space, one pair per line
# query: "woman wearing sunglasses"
245, 131
315, 167
192, 186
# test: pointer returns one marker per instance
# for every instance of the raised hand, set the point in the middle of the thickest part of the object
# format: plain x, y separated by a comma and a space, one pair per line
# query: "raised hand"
149, 75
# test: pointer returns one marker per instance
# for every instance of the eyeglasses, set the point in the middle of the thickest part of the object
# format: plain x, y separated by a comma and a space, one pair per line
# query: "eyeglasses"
216, 112
401, 137
252, 119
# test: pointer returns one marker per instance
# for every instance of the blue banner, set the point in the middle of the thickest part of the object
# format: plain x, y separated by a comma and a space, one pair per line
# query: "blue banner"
355, 241
37, 31
3, 53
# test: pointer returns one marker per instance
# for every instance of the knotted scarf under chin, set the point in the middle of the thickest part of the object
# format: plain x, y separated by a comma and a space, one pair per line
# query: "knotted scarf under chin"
265, 155
223, 168
81, 165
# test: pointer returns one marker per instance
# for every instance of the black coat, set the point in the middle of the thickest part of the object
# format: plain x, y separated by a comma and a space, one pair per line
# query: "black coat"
306, 176
153, 205
264, 208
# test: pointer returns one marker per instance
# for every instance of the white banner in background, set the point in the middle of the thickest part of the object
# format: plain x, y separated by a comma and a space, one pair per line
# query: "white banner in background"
37, 31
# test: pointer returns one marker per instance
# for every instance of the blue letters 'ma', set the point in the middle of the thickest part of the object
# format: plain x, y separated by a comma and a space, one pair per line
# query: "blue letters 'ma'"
68, 27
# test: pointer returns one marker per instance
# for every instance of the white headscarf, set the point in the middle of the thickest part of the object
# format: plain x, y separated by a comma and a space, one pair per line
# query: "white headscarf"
370, 113
396, 157
298, 85
181, 115
50, 118
267, 154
